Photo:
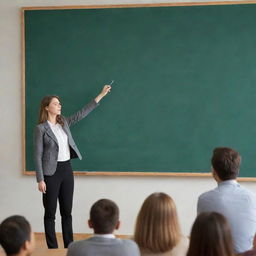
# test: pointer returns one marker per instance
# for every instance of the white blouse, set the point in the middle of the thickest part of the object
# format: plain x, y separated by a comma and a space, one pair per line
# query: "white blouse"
62, 138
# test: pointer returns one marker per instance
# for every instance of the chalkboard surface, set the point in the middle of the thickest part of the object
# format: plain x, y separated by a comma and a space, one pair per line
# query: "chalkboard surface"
185, 82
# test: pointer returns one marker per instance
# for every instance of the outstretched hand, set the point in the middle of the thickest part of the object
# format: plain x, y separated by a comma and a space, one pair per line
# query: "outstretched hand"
106, 89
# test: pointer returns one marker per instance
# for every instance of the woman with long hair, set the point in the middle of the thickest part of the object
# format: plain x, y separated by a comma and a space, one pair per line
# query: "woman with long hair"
54, 146
157, 230
211, 236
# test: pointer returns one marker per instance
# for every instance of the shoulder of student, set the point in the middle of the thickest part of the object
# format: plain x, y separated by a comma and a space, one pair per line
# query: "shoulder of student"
75, 247
130, 245
248, 194
207, 194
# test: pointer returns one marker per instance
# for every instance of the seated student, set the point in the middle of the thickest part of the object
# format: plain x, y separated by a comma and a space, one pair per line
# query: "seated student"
210, 236
232, 200
157, 230
104, 219
16, 236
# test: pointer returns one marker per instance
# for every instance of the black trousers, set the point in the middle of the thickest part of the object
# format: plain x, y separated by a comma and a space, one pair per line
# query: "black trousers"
59, 186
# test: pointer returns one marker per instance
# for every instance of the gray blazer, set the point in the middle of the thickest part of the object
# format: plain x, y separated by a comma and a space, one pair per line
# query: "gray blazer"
100, 246
46, 146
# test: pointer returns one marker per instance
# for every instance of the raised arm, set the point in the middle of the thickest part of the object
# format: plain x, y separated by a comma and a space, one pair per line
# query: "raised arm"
88, 108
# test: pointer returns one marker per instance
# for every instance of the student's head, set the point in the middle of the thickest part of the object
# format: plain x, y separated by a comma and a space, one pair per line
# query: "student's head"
157, 228
104, 217
16, 236
211, 236
50, 105
225, 163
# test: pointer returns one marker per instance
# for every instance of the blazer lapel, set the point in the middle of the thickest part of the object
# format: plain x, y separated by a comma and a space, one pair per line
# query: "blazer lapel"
50, 132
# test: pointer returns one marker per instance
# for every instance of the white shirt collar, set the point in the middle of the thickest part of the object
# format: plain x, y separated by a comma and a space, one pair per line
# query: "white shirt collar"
233, 182
105, 235
51, 124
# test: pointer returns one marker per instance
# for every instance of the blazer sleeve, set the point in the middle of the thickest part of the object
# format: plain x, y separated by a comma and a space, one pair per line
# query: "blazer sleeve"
38, 153
81, 113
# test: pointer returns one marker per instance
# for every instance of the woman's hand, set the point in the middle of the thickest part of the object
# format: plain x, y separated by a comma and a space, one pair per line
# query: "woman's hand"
42, 186
106, 89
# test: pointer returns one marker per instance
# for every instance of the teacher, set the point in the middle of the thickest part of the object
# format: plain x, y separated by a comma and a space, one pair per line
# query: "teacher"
54, 146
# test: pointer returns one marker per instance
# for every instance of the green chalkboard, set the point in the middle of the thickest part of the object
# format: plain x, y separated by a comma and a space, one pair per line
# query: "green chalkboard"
185, 82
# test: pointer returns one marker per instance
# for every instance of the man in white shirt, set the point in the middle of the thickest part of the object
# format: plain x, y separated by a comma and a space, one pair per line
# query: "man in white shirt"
104, 219
230, 199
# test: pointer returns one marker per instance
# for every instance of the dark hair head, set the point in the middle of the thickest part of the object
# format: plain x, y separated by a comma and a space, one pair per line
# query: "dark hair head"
104, 216
226, 163
14, 232
211, 236
43, 114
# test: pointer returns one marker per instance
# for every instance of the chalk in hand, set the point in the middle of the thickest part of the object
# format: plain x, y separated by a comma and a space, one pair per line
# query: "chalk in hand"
112, 82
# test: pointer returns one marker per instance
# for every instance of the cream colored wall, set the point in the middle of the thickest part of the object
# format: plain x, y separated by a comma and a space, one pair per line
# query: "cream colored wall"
18, 193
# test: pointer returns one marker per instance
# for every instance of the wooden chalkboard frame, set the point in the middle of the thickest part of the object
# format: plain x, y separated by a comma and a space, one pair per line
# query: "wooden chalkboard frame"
23, 79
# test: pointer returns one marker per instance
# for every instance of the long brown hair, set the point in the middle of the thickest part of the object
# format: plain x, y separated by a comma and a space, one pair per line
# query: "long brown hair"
43, 114
157, 227
211, 236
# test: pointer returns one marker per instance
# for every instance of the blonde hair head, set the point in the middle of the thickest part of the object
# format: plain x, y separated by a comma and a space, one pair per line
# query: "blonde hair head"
157, 227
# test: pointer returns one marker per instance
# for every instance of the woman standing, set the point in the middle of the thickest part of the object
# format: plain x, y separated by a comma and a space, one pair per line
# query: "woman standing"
157, 230
54, 146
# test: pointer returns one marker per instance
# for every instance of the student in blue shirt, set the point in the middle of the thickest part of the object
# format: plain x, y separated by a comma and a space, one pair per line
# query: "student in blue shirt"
231, 199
